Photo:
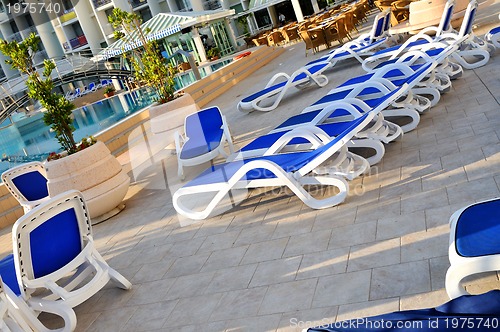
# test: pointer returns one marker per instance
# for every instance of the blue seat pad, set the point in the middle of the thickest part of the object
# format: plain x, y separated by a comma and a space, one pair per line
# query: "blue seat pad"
289, 162
432, 53
33, 185
442, 318
494, 31
265, 141
8, 273
278, 86
202, 145
478, 230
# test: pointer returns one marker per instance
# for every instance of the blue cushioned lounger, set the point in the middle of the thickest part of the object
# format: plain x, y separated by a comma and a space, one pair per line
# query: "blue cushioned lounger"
466, 313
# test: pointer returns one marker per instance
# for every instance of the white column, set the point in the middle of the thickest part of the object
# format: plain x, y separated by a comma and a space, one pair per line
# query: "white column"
199, 44
89, 26
154, 7
231, 29
315, 5
172, 6
272, 14
244, 4
297, 10
6, 31
197, 5
47, 35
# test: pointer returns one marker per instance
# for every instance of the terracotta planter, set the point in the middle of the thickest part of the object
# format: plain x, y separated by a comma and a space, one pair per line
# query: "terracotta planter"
109, 94
96, 173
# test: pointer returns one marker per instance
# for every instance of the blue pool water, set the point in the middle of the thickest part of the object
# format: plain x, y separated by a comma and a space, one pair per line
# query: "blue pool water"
30, 139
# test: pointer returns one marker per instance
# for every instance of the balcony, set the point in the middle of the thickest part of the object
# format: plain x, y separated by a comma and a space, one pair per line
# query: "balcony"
75, 43
212, 4
67, 15
100, 3
16, 36
137, 3
40, 56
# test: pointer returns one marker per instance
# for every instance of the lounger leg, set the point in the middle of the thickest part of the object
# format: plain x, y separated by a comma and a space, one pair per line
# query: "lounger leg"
456, 273
372, 144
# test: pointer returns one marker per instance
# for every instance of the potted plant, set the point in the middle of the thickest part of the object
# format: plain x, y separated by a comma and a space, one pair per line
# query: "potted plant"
109, 91
213, 53
150, 67
87, 166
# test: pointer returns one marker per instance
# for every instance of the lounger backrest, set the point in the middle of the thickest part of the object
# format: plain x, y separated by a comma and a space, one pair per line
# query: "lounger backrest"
51, 235
378, 27
470, 14
445, 23
387, 20
204, 125
27, 181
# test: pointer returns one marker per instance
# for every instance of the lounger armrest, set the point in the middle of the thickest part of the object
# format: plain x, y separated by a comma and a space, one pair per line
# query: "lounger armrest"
227, 134
313, 134
381, 72
276, 77
179, 142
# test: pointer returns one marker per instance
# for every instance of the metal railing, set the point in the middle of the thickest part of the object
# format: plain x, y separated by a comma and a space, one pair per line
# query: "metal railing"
78, 42
16, 36
67, 15
212, 4
137, 3
99, 3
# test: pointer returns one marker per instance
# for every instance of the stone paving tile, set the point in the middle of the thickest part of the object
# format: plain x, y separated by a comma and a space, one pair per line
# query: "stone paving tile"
323, 263
376, 254
307, 243
424, 300
112, 320
296, 321
255, 234
438, 266
189, 285
219, 241
273, 272
150, 292
391, 227
473, 190
224, 258
149, 316
289, 296
239, 304
353, 234
344, 288
193, 310
267, 250
399, 280
367, 308
424, 245
187, 265
253, 324
232, 278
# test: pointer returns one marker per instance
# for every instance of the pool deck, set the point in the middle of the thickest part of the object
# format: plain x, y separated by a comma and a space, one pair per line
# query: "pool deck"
272, 263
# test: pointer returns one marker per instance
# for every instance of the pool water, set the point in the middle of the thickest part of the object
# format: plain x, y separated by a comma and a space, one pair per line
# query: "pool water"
29, 139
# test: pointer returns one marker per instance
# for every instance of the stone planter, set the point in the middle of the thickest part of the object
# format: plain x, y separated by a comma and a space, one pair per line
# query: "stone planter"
97, 174
171, 115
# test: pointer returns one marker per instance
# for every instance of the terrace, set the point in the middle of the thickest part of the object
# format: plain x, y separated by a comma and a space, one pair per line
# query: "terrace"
272, 263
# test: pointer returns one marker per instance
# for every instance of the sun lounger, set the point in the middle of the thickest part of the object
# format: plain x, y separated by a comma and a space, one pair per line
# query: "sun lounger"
275, 92
493, 37
471, 47
474, 246
293, 170
466, 313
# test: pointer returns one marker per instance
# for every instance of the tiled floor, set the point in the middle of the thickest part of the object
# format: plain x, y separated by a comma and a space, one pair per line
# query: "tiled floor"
272, 263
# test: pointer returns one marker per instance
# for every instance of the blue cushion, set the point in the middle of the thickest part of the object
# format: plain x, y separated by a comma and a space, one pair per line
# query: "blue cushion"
478, 230
290, 162
55, 243
455, 315
204, 132
494, 31
33, 185
8, 273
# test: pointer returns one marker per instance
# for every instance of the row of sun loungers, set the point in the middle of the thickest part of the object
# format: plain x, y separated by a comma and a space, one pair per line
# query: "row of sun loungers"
72, 95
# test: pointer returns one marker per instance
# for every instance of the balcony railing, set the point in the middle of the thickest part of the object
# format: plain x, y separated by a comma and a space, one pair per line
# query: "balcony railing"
67, 15
16, 36
137, 3
99, 3
40, 56
212, 4
75, 43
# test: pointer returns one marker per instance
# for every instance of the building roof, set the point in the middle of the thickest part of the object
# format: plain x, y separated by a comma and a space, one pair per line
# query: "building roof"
161, 26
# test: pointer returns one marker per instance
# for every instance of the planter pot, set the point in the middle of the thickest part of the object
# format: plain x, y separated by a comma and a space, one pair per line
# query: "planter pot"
109, 94
96, 173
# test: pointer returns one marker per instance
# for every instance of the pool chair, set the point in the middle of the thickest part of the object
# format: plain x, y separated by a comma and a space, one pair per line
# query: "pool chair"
206, 131
27, 183
472, 52
54, 254
431, 86
269, 98
466, 313
310, 136
474, 246
405, 110
493, 37
16, 315
293, 170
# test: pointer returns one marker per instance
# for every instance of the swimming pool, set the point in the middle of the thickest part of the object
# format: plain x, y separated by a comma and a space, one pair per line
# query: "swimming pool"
29, 139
